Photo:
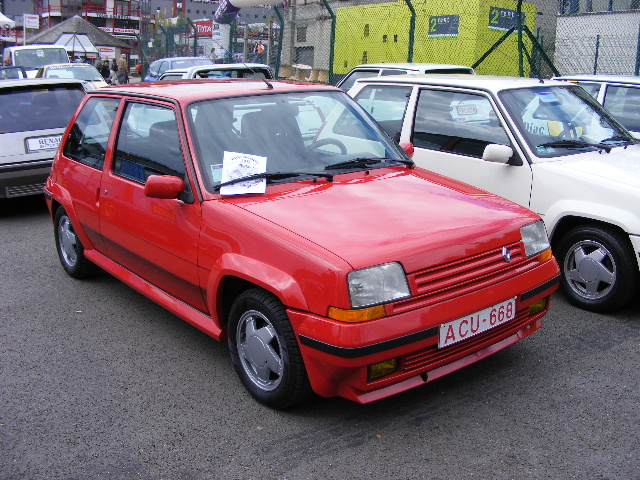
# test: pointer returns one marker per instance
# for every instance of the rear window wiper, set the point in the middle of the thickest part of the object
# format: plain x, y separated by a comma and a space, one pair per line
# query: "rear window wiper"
273, 176
364, 162
576, 144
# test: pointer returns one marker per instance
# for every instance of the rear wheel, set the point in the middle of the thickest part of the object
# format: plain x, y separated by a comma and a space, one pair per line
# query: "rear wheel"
69, 247
265, 352
599, 268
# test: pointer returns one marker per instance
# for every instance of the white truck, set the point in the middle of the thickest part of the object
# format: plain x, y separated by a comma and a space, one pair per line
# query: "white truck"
32, 57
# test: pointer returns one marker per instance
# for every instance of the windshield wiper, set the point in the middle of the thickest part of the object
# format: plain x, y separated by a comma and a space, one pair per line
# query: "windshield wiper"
620, 138
576, 144
273, 176
364, 162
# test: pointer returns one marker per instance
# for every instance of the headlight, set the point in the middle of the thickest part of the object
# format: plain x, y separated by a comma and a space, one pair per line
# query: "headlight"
376, 285
535, 238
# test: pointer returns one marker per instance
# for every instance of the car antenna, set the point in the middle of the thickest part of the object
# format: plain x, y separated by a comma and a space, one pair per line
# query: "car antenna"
227, 52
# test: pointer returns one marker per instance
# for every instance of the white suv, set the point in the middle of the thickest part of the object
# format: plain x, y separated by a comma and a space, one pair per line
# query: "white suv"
547, 145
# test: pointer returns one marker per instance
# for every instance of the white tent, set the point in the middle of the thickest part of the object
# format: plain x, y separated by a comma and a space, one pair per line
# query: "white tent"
77, 44
6, 22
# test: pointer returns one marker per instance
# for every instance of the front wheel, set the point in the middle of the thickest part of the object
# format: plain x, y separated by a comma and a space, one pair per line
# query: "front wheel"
69, 247
265, 352
599, 268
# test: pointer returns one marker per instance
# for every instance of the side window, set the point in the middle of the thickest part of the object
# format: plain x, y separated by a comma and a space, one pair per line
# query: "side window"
456, 122
592, 88
624, 103
387, 104
87, 141
391, 71
148, 143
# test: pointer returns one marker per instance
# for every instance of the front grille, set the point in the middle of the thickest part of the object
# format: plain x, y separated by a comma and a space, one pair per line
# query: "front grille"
450, 280
22, 190
433, 357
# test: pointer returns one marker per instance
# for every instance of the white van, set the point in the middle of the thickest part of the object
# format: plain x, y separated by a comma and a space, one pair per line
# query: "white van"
32, 57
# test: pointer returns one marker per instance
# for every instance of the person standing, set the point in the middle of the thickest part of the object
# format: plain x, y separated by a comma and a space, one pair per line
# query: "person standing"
104, 69
123, 66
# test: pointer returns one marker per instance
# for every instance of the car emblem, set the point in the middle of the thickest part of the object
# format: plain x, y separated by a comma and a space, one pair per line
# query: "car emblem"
506, 254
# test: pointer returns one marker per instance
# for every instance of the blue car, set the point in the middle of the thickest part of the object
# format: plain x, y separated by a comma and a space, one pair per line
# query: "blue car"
161, 65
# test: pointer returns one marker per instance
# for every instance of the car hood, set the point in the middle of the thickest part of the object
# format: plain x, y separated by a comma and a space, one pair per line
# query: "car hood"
413, 216
620, 165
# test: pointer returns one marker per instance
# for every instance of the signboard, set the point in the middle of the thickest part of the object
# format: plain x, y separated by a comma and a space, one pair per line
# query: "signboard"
107, 52
444, 25
31, 21
503, 18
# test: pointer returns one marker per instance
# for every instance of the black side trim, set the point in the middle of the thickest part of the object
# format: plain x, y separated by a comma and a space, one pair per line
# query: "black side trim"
540, 288
368, 349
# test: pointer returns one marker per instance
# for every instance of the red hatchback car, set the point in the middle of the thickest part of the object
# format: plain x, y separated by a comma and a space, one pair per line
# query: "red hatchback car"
280, 218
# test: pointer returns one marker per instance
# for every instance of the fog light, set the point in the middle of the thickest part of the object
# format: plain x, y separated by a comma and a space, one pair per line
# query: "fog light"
539, 306
381, 369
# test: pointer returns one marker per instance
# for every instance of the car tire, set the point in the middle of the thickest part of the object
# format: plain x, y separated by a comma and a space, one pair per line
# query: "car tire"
599, 268
69, 247
265, 352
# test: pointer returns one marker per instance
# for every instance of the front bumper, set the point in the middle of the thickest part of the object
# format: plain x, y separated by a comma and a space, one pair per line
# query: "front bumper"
337, 355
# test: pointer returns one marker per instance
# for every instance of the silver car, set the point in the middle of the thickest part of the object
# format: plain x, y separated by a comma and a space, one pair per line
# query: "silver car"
382, 69
221, 70
620, 94
33, 117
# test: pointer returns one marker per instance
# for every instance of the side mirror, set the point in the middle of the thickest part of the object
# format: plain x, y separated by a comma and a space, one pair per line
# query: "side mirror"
408, 148
163, 186
497, 153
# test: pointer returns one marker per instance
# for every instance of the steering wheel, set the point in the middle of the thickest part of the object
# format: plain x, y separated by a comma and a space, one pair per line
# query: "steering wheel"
328, 141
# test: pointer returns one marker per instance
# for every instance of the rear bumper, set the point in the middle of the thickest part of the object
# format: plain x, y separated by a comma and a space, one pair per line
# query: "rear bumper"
337, 356
24, 178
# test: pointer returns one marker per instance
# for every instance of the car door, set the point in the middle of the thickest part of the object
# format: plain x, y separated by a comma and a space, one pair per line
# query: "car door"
450, 130
157, 239
86, 146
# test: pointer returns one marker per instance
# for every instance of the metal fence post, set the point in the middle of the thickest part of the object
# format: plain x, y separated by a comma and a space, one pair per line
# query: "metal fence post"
595, 60
333, 39
412, 30
280, 37
637, 69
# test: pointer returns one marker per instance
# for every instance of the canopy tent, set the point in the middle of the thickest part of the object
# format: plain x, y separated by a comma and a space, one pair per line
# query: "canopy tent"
6, 22
78, 44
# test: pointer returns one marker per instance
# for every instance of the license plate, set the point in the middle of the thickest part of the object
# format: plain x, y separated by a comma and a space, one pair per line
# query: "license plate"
36, 144
467, 110
476, 323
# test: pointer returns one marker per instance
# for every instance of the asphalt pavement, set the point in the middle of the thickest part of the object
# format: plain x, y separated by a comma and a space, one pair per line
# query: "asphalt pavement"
98, 382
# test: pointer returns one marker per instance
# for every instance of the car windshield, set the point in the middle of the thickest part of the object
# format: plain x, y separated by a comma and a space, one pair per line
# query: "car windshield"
306, 134
80, 72
563, 120
38, 57
37, 109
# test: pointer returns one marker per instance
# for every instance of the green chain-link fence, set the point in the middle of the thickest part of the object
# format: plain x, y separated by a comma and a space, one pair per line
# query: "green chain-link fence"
321, 40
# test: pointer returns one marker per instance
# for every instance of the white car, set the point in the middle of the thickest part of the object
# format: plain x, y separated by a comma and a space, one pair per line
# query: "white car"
221, 70
548, 145
382, 69
620, 94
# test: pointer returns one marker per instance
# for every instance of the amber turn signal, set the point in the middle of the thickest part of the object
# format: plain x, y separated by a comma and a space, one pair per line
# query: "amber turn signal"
355, 316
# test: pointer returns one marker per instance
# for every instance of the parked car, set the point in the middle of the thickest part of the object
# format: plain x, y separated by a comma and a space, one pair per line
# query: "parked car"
158, 67
32, 57
221, 70
80, 71
620, 94
33, 117
327, 260
12, 73
383, 69
547, 145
